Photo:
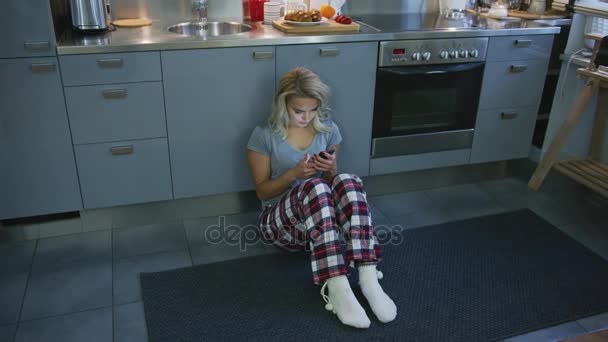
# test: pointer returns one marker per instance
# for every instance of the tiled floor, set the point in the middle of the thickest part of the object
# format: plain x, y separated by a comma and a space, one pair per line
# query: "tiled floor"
77, 280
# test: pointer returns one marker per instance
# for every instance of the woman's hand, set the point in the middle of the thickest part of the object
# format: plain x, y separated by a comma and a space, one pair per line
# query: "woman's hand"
304, 169
325, 162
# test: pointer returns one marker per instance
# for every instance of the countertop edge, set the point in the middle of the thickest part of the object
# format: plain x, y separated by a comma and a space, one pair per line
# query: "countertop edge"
228, 42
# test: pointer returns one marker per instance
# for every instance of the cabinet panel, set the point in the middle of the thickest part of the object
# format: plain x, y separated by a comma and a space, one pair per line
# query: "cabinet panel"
37, 169
502, 134
116, 112
124, 172
26, 29
349, 69
214, 99
513, 84
520, 47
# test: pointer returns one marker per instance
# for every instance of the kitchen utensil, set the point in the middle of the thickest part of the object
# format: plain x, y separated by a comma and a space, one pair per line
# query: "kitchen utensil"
256, 9
90, 15
499, 9
537, 7
303, 23
326, 26
272, 11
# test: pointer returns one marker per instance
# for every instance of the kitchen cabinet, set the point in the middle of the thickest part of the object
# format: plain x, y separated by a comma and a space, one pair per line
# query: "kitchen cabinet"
37, 169
349, 69
27, 30
512, 87
214, 99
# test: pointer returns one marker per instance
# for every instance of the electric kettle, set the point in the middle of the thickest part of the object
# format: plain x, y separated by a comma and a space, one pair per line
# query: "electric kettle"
90, 15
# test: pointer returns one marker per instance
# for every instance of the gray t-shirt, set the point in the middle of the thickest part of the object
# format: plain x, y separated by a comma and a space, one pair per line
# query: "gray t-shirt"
283, 156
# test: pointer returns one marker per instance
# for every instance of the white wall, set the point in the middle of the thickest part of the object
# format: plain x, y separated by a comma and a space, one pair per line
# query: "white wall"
362, 7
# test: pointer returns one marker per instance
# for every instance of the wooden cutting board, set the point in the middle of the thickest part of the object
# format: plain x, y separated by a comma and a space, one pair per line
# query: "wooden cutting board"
132, 22
547, 15
327, 26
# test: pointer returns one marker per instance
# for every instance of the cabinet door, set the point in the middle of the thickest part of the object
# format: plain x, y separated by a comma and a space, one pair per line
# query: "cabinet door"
502, 134
37, 168
26, 28
349, 69
214, 99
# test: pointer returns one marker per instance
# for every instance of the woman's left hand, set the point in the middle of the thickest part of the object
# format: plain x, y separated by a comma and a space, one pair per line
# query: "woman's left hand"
324, 162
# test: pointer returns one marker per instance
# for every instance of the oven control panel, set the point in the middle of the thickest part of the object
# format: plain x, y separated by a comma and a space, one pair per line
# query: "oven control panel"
432, 51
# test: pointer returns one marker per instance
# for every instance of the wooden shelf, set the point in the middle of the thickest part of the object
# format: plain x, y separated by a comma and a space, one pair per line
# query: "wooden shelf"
587, 172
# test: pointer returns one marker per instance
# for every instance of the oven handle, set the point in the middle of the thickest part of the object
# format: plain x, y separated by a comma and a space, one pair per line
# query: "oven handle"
431, 69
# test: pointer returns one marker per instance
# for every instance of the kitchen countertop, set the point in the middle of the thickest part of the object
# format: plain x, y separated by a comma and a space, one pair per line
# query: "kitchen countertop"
373, 28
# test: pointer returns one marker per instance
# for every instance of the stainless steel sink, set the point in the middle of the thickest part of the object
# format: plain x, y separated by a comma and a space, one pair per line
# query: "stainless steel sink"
211, 29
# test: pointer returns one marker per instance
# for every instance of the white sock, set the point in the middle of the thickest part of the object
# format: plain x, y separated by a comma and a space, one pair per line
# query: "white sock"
345, 304
382, 305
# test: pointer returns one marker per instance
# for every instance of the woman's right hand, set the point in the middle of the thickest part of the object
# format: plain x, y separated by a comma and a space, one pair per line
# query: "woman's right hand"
304, 169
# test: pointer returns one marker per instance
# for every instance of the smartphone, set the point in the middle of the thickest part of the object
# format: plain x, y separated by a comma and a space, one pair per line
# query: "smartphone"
328, 152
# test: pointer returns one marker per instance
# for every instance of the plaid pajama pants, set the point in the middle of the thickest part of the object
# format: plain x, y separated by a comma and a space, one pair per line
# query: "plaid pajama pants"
314, 214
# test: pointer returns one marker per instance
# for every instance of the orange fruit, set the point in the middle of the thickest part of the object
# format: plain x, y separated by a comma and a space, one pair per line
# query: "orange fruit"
327, 11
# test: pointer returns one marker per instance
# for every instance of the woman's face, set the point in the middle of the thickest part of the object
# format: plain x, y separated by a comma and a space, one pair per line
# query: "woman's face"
302, 110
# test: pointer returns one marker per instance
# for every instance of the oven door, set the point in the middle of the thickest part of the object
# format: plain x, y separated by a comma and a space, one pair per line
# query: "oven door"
428, 108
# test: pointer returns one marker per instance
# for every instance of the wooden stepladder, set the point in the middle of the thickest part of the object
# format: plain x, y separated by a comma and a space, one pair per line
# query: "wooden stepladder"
589, 171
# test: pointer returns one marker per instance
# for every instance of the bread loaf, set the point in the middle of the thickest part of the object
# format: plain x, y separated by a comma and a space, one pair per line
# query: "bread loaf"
303, 16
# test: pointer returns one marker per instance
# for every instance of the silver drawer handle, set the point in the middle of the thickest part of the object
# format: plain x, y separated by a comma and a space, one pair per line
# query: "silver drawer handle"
523, 43
263, 55
127, 149
110, 63
329, 52
38, 68
518, 68
37, 46
508, 115
114, 93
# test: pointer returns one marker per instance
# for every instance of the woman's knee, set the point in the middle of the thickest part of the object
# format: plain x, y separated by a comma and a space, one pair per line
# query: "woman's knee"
346, 177
316, 185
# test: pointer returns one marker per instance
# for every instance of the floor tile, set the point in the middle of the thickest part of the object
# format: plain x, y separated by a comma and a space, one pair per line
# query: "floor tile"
126, 272
402, 203
154, 238
593, 323
57, 251
464, 201
550, 334
222, 238
60, 227
426, 217
7, 333
96, 219
12, 289
130, 323
144, 214
16, 256
72, 287
89, 326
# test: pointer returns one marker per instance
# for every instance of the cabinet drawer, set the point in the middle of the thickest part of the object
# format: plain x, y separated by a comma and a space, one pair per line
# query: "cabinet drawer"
503, 134
513, 84
124, 172
110, 68
116, 112
519, 47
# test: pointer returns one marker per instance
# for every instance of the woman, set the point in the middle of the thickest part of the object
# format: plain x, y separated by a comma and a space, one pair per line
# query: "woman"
308, 205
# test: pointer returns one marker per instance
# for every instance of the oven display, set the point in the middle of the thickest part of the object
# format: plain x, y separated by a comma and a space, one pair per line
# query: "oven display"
398, 51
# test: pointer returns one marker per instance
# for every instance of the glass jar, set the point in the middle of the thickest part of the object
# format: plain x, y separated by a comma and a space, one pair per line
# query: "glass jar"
537, 7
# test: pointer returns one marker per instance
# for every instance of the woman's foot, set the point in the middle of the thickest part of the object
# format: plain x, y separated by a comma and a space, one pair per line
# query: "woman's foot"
382, 305
345, 304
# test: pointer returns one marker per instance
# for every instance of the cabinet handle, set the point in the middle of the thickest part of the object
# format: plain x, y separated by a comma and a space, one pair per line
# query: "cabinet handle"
508, 115
38, 68
37, 46
114, 93
523, 43
118, 150
263, 55
329, 52
110, 63
518, 68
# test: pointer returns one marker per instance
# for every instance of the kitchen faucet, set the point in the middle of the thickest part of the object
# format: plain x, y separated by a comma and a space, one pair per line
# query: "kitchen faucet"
200, 7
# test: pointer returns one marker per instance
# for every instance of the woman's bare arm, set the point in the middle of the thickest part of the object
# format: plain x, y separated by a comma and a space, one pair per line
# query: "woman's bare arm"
266, 188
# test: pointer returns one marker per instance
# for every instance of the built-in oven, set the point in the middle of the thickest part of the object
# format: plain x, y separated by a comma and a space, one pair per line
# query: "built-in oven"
427, 94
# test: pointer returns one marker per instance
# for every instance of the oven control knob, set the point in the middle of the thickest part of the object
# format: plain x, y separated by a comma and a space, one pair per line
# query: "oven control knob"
474, 53
426, 56
464, 54
444, 55
453, 54
416, 56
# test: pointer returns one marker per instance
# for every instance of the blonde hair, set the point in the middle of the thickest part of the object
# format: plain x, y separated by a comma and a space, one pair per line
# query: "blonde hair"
300, 82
